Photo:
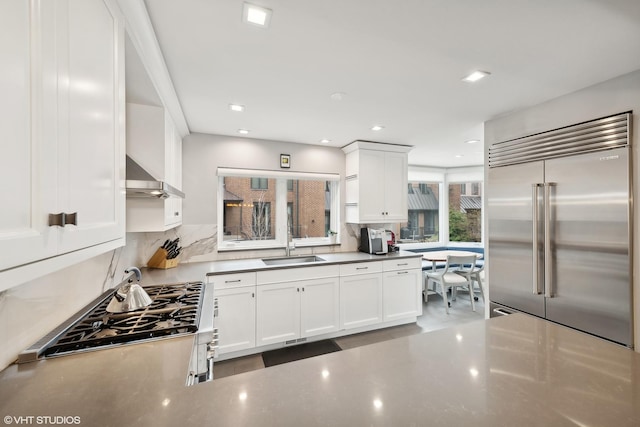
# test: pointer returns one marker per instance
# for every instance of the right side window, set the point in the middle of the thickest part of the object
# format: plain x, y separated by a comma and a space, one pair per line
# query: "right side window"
423, 202
465, 212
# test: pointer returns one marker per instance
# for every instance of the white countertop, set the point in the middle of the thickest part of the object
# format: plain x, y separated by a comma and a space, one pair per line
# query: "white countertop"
509, 371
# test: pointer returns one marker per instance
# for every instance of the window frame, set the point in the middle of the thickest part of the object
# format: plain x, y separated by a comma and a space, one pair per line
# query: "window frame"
279, 206
481, 192
260, 181
443, 177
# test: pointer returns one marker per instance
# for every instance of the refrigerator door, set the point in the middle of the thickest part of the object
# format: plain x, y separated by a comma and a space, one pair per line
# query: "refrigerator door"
590, 283
515, 268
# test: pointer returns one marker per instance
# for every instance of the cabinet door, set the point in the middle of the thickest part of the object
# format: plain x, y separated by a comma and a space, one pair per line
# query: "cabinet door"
401, 294
319, 306
173, 173
90, 65
236, 319
277, 313
360, 300
172, 212
372, 183
26, 166
395, 187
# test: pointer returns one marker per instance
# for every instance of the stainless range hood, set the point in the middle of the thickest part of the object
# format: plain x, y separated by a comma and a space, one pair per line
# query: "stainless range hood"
142, 185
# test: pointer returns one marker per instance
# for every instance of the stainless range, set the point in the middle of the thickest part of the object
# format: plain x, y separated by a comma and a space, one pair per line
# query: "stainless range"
176, 310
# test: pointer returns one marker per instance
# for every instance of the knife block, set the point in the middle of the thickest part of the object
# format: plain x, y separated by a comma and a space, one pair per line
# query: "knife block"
159, 260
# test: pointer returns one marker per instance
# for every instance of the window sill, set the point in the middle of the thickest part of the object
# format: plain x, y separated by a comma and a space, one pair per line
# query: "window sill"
280, 247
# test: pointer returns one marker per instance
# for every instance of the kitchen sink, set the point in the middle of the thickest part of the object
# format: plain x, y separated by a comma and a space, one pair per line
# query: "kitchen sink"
292, 260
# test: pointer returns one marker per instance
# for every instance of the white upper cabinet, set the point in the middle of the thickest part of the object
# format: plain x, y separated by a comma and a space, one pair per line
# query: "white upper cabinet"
62, 105
154, 143
376, 182
90, 119
26, 160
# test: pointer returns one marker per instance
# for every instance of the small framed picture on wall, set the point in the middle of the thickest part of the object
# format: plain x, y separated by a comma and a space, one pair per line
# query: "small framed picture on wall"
285, 161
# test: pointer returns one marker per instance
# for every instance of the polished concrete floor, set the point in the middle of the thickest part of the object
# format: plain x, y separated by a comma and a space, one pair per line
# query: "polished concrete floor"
433, 317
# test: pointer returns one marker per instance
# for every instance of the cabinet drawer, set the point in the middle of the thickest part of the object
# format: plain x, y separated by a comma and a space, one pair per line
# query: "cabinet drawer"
360, 268
282, 275
402, 264
224, 281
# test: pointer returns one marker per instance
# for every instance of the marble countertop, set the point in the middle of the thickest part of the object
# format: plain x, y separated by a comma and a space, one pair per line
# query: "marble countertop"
198, 271
514, 370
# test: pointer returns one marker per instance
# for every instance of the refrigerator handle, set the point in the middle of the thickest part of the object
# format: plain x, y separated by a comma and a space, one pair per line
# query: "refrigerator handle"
548, 258
534, 204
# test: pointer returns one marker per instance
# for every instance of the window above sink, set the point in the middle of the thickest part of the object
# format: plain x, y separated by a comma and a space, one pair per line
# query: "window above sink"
259, 209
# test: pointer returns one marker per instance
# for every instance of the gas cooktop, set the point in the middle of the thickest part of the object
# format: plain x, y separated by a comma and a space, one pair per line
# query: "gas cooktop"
174, 311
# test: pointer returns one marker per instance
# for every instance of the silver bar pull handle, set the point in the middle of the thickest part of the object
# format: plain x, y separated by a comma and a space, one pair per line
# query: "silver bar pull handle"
548, 258
534, 216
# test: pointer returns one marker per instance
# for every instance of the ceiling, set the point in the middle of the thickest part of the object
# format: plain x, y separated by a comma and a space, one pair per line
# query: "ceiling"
398, 63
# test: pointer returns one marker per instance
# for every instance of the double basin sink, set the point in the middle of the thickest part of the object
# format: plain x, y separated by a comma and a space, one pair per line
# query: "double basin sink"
293, 260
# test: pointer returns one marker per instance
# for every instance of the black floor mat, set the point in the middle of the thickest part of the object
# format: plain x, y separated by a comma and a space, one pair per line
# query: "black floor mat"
297, 352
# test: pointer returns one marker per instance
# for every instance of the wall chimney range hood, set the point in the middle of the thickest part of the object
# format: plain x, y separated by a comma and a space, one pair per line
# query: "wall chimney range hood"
141, 184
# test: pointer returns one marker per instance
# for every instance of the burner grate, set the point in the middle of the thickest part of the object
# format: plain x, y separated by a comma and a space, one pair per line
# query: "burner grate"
174, 310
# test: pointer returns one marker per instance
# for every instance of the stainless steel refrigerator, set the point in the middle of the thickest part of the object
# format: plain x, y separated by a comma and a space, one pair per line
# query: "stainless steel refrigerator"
559, 227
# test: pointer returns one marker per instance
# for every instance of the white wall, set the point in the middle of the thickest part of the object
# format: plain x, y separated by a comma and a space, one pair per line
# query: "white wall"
611, 97
202, 154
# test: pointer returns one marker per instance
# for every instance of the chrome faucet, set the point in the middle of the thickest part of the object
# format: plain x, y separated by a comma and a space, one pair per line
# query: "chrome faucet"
287, 249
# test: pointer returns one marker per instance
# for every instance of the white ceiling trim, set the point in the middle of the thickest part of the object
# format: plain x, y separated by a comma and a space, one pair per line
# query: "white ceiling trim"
140, 30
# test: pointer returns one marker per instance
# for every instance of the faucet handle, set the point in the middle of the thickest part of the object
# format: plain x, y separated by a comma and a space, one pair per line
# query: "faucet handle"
135, 270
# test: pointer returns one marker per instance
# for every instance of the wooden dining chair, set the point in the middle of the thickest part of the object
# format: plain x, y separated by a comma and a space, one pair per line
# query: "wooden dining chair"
457, 273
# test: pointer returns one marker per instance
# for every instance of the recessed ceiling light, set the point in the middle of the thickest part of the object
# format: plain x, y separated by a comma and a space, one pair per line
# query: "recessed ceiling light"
236, 107
377, 128
338, 96
475, 76
243, 131
325, 141
473, 141
459, 156
256, 15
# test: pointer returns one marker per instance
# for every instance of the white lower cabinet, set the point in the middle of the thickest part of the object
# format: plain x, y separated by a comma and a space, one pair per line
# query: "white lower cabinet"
319, 306
236, 319
401, 288
275, 306
401, 294
360, 300
278, 313
296, 303
360, 295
